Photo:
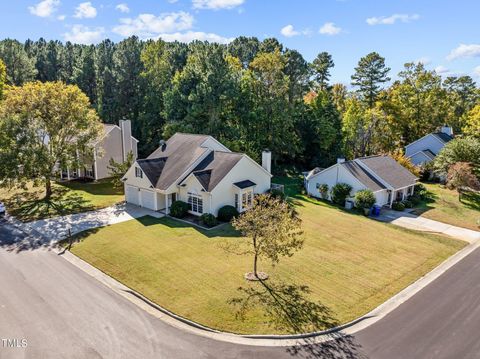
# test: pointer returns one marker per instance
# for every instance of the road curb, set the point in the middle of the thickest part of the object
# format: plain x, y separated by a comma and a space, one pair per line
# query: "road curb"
271, 340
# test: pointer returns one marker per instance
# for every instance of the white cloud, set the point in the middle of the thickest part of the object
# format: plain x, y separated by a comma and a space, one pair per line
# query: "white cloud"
464, 50
289, 31
216, 4
81, 34
195, 35
85, 10
329, 28
390, 20
441, 70
44, 8
476, 71
148, 25
123, 8
423, 60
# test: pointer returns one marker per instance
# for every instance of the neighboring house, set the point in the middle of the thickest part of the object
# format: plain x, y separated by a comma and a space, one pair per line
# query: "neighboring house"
427, 148
385, 177
115, 143
199, 170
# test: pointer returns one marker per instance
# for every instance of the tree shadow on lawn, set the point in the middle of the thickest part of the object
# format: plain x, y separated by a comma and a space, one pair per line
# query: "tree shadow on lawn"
288, 309
102, 187
27, 206
471, 200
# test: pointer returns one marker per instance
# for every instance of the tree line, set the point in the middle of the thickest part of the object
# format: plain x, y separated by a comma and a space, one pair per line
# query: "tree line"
252, 95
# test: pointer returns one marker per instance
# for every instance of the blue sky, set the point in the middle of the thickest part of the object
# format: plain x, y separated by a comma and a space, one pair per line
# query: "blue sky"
444, 34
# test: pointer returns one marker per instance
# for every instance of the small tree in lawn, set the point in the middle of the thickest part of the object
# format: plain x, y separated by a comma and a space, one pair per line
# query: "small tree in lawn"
118, 169
273, 229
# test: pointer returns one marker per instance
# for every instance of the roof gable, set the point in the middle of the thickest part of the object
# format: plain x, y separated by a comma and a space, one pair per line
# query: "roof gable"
389, 171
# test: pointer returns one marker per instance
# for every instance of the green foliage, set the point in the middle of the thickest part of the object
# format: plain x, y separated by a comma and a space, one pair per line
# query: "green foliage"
364, 199
369, 76
472, 122
323, 189
408, 203
278, 194
179, 209
458, 150
227, 213
208, 220
45, 125
340, 192
118, 169
398, 206
272, 228
321, 66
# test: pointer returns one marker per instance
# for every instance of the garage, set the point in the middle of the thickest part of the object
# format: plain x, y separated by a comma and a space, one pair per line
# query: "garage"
132, 195
147, 199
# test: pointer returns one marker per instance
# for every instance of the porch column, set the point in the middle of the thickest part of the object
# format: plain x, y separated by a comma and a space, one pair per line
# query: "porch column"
68, 174
391, 197
155, 201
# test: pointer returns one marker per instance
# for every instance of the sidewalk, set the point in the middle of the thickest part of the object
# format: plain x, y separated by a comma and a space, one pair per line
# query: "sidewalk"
418, 223
55, 229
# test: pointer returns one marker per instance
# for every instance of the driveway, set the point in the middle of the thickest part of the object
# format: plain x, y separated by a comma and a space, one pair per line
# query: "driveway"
411, 221
55, 229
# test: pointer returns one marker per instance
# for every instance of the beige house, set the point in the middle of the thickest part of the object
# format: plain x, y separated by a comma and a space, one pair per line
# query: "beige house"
116, 142
386, 178
199, 170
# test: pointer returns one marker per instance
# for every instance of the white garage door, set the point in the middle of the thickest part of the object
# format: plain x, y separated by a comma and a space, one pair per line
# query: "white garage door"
148, 199
131, 195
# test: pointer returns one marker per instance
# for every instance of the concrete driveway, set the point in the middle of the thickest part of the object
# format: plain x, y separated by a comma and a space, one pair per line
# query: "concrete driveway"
55, 229
411, 221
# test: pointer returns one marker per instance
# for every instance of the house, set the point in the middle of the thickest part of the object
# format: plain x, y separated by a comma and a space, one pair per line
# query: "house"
385, 177
114, 143
425, 149
199, 170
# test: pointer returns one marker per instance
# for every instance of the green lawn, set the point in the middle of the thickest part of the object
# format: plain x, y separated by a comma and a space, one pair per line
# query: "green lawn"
444, 206
348, 266
67, 198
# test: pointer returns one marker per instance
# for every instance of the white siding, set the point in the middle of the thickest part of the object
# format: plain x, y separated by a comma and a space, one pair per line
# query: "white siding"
246, 169
429, 142
193, 186
136, 181
109, 147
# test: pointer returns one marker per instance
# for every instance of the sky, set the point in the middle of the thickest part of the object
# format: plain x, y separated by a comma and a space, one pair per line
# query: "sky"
443, 34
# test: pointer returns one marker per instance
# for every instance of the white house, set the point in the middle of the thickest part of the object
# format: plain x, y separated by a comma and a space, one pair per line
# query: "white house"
425, 149
114, 143
199, 170
385, 177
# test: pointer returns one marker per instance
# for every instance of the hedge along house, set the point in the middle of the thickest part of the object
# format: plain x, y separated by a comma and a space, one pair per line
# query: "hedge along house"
386, 178
199, 170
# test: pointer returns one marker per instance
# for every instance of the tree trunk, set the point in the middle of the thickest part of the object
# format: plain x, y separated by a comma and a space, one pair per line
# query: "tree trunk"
48, 188
255, 258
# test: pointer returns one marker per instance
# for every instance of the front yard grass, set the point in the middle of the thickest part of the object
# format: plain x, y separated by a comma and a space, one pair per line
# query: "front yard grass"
444, 206
348, 266
67, 198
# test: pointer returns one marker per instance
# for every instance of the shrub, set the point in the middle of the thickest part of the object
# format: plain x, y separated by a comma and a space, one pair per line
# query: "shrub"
323, 189
461, 174
208, 220
415, 199
179, 209
421, 191
398, 206
340, 192
276, 193
364, 199
227, 213
407, 203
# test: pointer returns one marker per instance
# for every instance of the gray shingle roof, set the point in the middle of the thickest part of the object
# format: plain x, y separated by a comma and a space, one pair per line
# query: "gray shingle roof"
152, 168
215, 167
444, 137
429, 154
363, 176
179, 153
389, 170
244, 184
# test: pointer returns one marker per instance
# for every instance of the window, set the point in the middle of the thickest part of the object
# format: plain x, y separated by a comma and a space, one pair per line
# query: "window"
247, 200
138, 172
195, 203
236, 202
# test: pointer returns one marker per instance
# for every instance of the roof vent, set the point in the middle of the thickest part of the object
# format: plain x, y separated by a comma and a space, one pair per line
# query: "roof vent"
163, 145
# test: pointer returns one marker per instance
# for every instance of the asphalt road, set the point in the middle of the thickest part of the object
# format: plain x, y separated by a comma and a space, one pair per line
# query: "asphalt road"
62, 312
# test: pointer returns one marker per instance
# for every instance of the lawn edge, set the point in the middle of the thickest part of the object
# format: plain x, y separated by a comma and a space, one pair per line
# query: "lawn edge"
348, 328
